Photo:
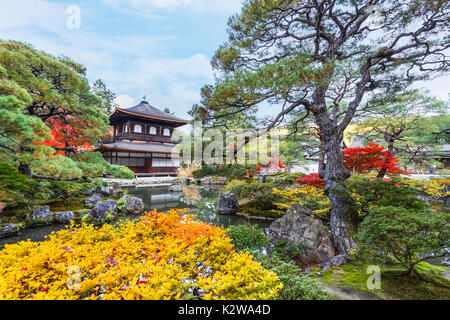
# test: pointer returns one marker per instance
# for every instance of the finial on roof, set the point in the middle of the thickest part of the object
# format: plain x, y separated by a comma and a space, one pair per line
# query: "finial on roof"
144, 99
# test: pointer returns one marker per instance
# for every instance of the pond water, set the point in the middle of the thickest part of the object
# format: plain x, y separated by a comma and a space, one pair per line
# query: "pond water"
200, 200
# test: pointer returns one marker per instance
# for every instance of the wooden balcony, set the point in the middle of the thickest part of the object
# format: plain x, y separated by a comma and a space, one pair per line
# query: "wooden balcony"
142, 137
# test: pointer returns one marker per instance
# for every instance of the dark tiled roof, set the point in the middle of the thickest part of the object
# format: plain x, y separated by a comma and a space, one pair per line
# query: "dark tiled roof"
145, 109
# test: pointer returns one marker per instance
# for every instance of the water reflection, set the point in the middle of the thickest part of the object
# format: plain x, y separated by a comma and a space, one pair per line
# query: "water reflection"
200, 199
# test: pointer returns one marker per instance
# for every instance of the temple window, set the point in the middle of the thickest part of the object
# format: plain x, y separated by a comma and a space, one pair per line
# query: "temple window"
166, 133
138, 128
152, 130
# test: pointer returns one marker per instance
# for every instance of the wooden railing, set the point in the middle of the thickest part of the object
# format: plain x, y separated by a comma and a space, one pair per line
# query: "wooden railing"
141, 137
164, 170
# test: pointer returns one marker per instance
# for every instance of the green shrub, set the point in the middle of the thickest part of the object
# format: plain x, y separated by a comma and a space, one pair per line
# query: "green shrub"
247, 237
289, 251
233, 171
236, 187
295, 285
121, 172
407, 235
91, 163
370, 193
14, 186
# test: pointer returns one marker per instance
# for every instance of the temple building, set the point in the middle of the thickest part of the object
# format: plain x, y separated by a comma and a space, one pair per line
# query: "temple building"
142, 140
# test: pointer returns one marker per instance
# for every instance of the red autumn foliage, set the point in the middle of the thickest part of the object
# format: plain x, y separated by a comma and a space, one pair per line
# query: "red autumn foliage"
360, 160
372, 157
64, 136
312, 179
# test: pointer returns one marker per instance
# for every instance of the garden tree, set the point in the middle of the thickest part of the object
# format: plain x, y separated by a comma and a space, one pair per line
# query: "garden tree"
327, 58
20, 134
372, 157
400, 122
107, 97
46, 94
411, 236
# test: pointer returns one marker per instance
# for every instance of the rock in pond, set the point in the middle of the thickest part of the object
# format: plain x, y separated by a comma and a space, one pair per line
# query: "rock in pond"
92, 200
135, 205
40, 214
63, 217
103, 211
176, 188
8, 230
299, 225
227, 203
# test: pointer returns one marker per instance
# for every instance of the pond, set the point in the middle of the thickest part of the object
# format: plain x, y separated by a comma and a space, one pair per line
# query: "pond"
200, 200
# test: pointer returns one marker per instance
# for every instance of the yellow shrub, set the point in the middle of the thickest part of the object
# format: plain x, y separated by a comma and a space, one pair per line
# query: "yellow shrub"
161, 256
310, 196
433, 187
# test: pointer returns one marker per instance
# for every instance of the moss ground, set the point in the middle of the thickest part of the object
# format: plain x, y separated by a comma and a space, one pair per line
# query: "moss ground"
350, 282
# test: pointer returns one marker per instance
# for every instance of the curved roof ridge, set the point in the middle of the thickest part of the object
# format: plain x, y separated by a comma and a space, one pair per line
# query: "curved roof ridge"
146, 110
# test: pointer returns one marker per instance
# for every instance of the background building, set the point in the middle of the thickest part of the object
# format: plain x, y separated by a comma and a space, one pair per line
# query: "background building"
142, 140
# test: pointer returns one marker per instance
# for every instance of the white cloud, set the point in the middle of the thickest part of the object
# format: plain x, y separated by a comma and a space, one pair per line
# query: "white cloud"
132, 66
124, 101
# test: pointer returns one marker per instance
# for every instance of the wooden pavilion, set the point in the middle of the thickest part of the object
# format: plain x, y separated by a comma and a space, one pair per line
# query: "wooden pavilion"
142, 140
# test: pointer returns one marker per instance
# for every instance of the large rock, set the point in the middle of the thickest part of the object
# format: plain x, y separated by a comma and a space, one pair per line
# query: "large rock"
64, 217
92, 200
103, 211
299, 225
135, 205
40, 214
176, 188
227, 203
341, 259
8, 230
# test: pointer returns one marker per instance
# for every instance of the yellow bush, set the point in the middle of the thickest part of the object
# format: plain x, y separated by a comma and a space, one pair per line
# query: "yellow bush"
434, 187
160, 256
310, 196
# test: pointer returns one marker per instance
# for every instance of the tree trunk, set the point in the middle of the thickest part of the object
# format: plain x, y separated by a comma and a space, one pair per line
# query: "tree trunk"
26, 170
384, 170
343, 218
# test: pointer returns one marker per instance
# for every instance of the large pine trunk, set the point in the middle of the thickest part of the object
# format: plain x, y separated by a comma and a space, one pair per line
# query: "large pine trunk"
343, 219
26, 170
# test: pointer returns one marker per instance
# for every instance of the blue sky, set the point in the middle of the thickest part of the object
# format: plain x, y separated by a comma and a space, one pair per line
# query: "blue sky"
158, 48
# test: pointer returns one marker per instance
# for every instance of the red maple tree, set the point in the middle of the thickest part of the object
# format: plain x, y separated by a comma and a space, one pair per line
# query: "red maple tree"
312, 179
361, 160
371, 158
66, 138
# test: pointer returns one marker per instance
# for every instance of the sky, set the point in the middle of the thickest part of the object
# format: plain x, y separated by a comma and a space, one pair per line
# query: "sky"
160, 49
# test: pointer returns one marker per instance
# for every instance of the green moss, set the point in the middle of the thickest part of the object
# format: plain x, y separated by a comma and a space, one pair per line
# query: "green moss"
395, 283
349, 275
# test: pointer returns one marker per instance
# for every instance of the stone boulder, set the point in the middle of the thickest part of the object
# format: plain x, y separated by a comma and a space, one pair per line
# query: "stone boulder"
64, 217
135, 205
40, 214
227, 204
103, 211
299, 225
92, 200
341, 259
176, 188
8, 230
